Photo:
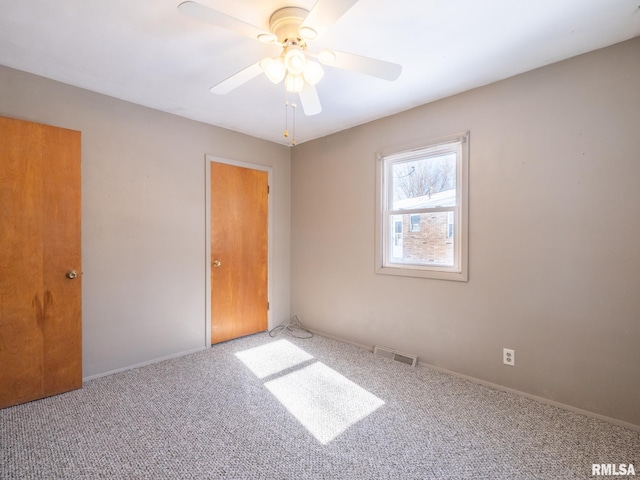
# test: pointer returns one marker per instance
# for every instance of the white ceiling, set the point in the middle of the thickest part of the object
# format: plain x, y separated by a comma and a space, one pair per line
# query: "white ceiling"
146, 52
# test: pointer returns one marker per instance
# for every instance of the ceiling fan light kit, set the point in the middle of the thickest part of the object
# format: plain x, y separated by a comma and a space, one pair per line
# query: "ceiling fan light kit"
294, 83
294, 60
274, 69
291, 28
313, 73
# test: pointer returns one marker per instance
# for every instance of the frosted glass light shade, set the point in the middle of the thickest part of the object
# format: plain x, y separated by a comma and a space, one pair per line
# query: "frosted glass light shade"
313, 73
274, 70
295, 61
294, 83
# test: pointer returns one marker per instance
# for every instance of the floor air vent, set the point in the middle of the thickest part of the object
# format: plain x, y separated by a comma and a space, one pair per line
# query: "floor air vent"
397, 356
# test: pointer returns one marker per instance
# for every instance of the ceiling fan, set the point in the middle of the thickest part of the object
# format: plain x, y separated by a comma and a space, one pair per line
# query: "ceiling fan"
292, 28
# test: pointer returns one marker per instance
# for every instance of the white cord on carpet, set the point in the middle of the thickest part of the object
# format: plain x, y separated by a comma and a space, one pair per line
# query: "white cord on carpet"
295, 328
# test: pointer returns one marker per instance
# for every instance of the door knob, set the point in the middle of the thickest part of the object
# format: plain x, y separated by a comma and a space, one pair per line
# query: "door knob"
71, 274
216, 263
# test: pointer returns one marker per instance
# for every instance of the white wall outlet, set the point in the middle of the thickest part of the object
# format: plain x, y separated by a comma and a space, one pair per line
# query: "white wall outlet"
509, 357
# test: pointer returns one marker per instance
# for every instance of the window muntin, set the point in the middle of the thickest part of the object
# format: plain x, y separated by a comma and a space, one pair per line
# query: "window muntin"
422, 210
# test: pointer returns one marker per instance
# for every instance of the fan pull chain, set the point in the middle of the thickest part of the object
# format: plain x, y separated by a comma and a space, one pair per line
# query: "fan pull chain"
293, 125
286, 114
286, 118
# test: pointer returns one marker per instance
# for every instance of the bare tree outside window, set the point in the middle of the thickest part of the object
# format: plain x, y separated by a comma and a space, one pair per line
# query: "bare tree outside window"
424, 177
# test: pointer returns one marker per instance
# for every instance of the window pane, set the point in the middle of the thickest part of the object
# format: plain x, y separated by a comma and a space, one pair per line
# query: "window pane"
432, 245
423, 183
415, 223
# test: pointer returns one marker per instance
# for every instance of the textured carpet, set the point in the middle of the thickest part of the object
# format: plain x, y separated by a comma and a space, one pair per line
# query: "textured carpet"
286, 408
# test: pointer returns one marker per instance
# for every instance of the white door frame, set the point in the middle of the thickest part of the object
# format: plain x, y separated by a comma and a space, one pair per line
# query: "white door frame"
253, 166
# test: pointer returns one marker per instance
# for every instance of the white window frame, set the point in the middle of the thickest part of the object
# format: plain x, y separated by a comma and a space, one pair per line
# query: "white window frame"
459, 271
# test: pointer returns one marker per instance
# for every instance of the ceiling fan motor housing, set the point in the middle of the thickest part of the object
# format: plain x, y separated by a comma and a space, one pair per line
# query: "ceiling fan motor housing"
285, 24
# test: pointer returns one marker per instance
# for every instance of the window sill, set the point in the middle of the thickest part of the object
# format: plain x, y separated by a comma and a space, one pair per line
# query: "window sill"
422, 273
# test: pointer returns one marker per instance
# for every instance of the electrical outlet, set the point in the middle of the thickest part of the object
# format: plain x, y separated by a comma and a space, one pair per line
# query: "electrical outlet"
509, 357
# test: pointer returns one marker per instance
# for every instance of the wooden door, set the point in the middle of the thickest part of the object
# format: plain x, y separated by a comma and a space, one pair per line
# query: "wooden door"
239, 238
40, 308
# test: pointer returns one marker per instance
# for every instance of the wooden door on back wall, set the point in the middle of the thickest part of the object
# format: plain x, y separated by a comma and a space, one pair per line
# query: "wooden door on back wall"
40, 265
239, 251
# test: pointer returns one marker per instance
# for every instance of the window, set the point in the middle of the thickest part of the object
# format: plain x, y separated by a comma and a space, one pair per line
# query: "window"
415, 223
423, 191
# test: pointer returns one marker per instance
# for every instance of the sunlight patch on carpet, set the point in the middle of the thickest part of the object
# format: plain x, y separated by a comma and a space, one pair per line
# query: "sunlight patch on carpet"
322, 400
272, 358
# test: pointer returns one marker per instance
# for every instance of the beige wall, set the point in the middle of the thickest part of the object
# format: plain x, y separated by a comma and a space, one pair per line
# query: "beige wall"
143, 214
554, 231
554, 251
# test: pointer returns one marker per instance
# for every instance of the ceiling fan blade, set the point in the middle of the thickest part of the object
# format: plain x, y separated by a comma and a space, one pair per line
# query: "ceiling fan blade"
310, 100
324, 14
357, 63
206, 14
240, 78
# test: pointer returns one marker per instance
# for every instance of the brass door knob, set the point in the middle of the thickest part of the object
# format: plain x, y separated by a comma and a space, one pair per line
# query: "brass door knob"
71, 274
216, 263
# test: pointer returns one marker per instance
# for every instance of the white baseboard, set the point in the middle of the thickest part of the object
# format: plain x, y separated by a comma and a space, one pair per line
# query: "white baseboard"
537, 398
338, 339
570, 408
143, 364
